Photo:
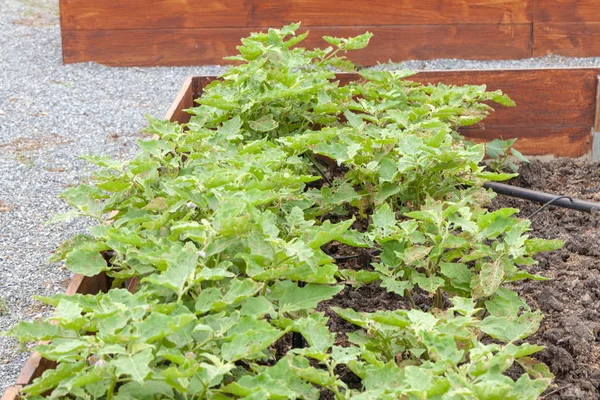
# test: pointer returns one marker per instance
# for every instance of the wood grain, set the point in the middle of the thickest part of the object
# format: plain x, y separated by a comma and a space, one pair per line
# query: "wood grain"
189, 92
539, 141
208, 46
34, 368
555, 11
567, 39
172, 14
544, 97
545, 123
183, 101
534, 91
88, 285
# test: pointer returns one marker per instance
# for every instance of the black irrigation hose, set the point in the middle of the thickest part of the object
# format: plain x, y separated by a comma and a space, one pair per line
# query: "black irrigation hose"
298, 341
542, 198
318, 169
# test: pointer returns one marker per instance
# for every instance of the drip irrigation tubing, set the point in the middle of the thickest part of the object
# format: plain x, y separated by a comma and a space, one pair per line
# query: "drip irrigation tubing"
543, 198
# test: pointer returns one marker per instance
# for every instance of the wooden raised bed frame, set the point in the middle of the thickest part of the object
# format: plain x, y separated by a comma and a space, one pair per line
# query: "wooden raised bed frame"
201, 32
556, 116
556, 112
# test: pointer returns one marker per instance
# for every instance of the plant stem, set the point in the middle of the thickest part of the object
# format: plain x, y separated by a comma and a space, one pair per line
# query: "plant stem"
334, 387
483, 312
111, 389
438, 299
263, 291
408, 295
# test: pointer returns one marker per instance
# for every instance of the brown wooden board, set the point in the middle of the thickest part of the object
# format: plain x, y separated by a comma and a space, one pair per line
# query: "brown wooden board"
169, 14
138, 47
544, 97
190, 90
11, 393
539, 141
582, 11
183, 100
555, 110
201, 32
567, 39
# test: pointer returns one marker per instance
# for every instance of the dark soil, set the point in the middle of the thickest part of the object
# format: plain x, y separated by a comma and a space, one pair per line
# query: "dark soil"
571, 300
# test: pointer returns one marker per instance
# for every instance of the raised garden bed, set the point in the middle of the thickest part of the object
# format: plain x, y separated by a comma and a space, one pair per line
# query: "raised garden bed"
201, 32
368, 298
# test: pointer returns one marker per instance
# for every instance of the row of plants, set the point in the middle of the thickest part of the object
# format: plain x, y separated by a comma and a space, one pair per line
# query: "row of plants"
226, 222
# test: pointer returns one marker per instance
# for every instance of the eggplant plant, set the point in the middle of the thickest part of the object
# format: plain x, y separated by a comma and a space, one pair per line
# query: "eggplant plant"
226, 222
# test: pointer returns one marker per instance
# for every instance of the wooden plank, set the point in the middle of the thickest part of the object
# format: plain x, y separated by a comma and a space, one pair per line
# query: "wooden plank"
171, 14
208, 46
11, 393
544, 97
544, 123
88, 285
34, 368
567, 39
534, 91
189, 92
566, 11
539, 141
183, 101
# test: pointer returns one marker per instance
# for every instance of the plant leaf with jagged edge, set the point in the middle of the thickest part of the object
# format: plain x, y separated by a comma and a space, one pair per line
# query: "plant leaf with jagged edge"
290, 297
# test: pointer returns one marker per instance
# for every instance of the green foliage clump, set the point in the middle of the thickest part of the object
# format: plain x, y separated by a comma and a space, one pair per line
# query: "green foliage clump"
226, 221
503, 155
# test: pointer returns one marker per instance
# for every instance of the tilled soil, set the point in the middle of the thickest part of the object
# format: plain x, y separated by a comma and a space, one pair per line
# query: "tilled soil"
570, 301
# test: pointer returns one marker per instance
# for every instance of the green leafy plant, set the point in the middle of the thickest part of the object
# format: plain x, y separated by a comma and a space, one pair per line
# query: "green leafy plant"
226, 224
415, 354
450, 247
503, 155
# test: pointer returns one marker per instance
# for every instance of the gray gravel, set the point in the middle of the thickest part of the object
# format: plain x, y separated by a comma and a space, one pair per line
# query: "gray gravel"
540, 62
51, 114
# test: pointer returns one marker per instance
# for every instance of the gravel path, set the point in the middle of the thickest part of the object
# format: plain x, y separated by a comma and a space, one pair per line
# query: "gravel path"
50, 115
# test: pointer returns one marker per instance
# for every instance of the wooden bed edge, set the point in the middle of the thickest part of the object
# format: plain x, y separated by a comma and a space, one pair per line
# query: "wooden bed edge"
11, 393
595, 153
182, 101
190, 90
